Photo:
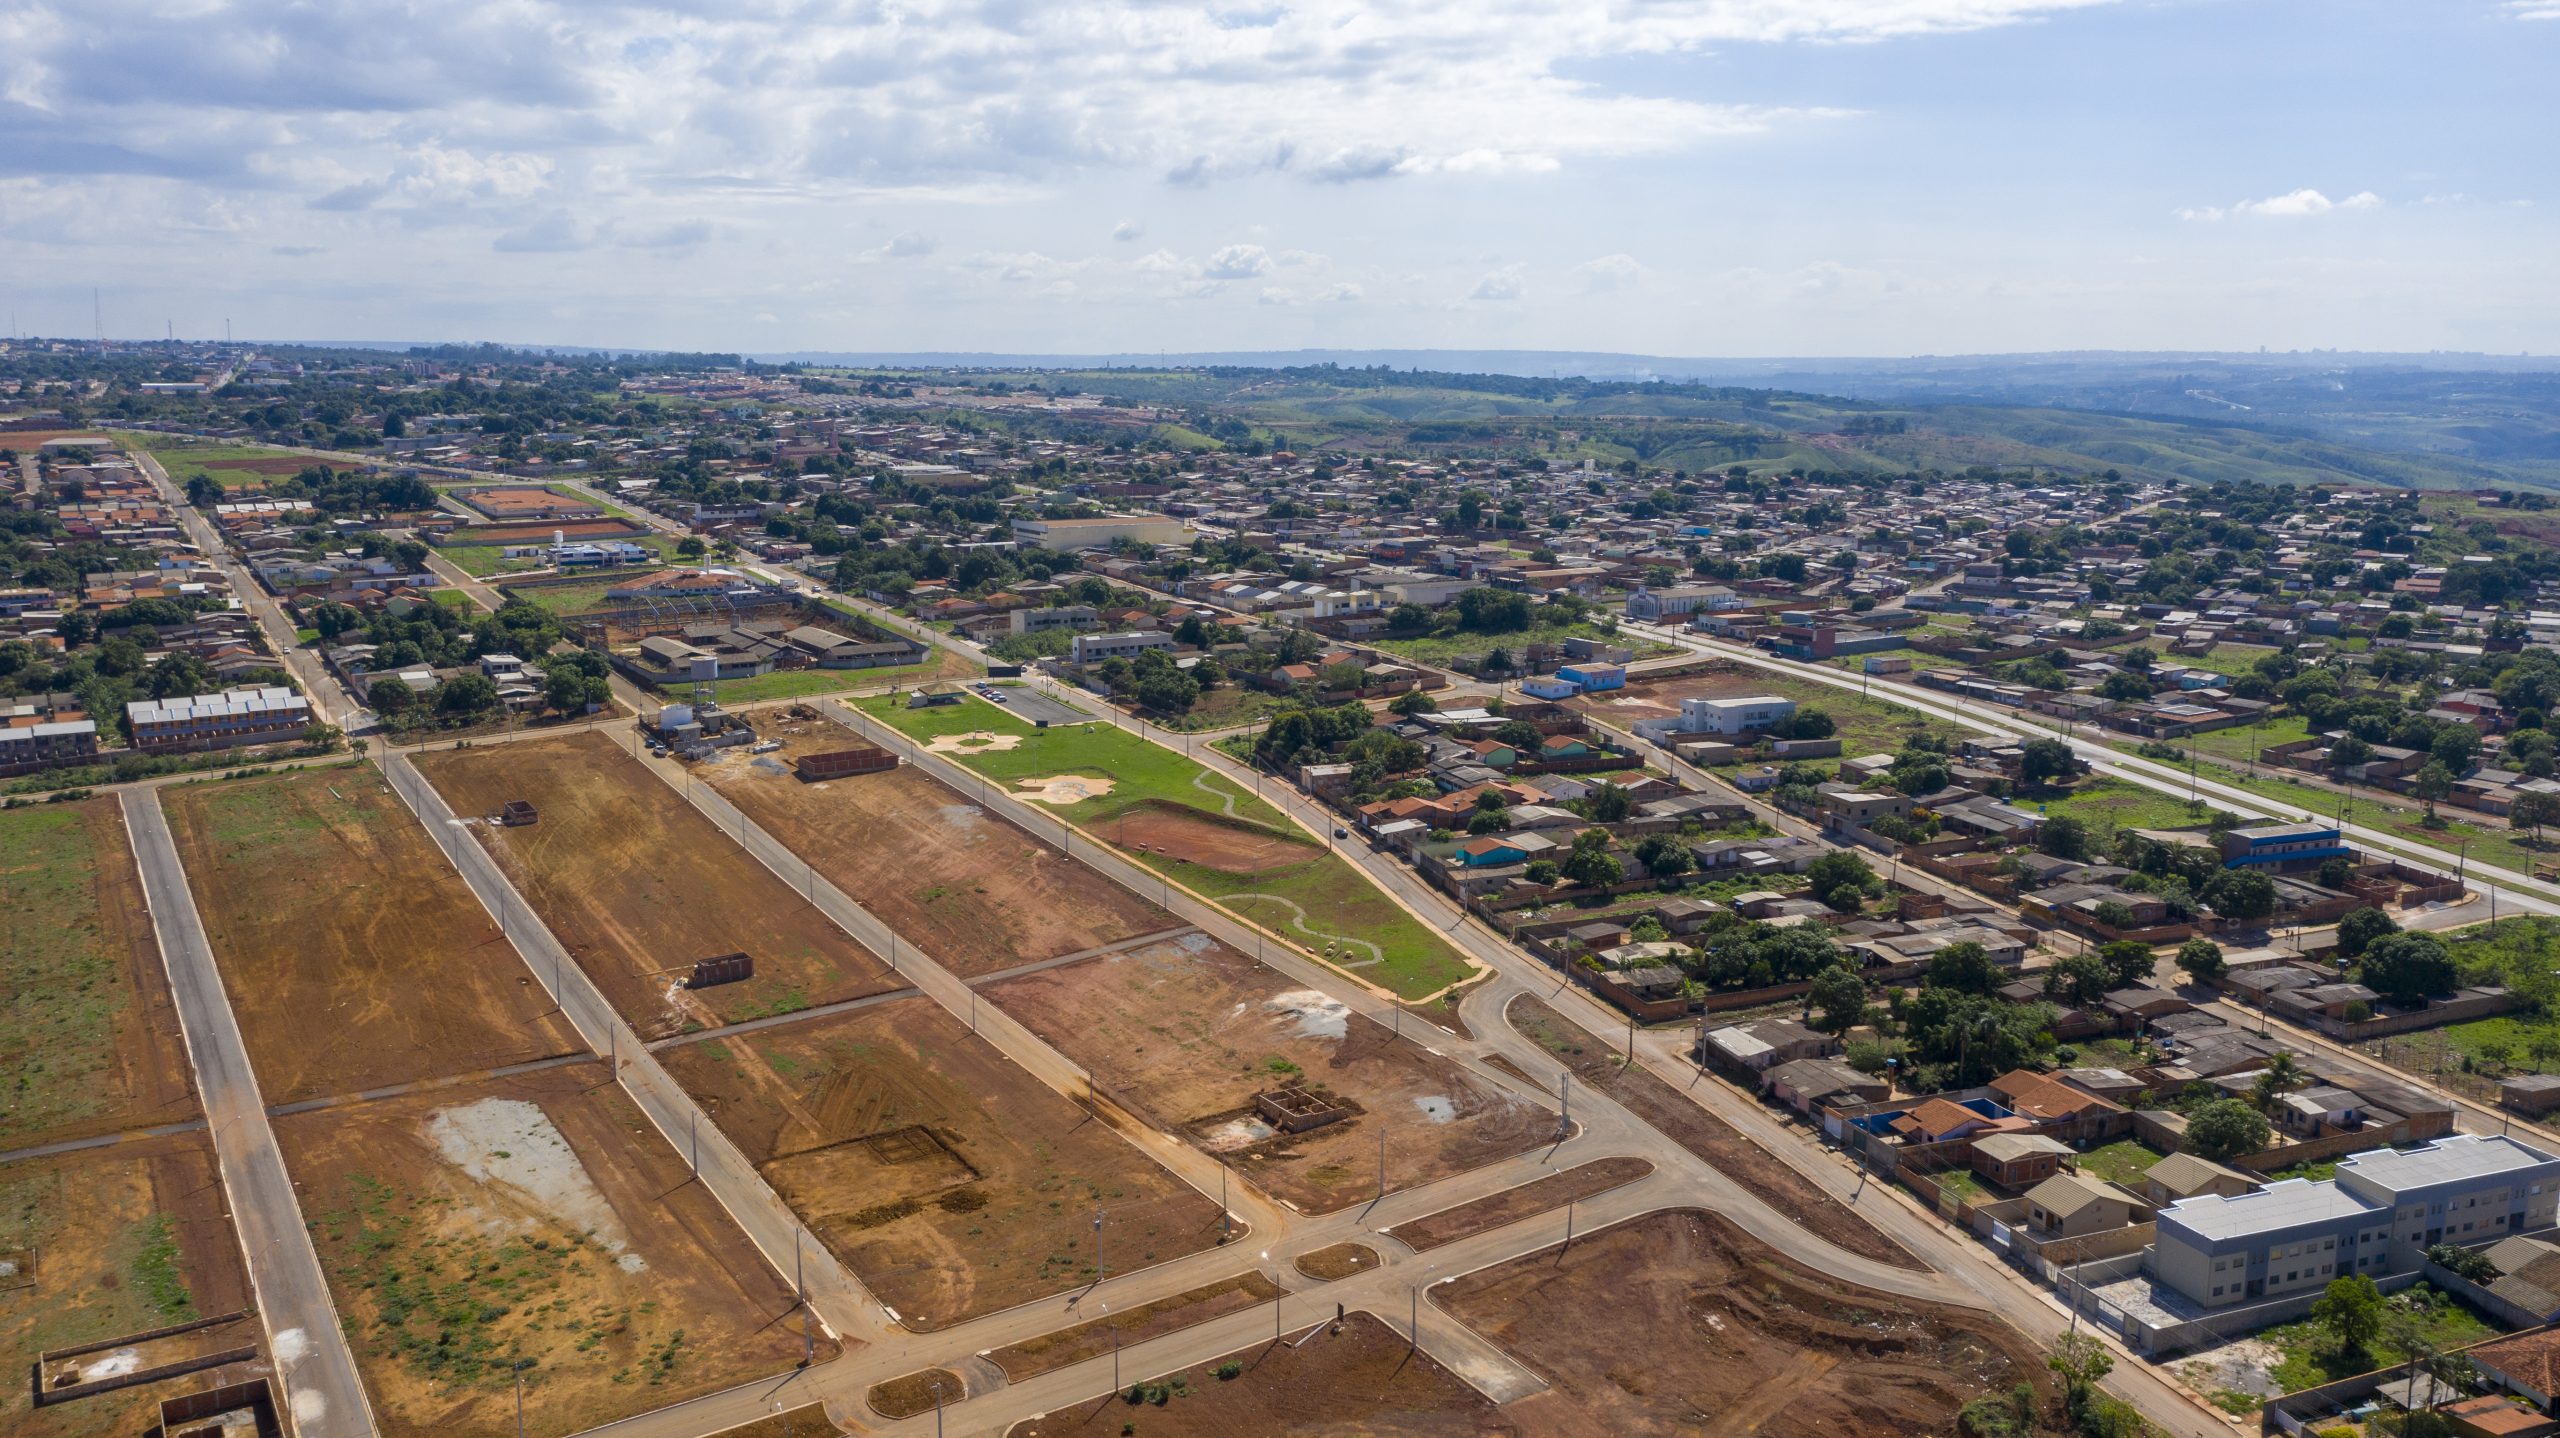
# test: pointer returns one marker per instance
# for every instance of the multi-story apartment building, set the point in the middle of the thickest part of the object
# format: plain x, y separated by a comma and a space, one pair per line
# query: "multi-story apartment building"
2379, 1215
217, 721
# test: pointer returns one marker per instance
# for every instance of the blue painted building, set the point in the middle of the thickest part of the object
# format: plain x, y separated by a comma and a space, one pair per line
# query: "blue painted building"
2282, 844
1594, 677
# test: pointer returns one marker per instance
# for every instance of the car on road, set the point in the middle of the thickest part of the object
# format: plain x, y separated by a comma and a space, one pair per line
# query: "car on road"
1340, 832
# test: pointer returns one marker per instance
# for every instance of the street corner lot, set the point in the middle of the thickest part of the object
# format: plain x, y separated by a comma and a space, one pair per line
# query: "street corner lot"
972, 891
353, 955
1366, 1379
638, 885
1726, 1326
111, 1242
948, 1178
1185, 1032
89, 1040
537, 1216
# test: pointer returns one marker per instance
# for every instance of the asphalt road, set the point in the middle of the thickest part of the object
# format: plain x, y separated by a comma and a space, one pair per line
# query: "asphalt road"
313, 1364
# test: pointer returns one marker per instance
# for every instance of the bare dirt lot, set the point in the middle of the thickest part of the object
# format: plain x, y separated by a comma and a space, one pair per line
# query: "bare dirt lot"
914, 1393
1710, 1138
1186, 835
1681, 1323
1513, 1204
1339, 1261
950, 1180
1366, 1380
89, 1040
536, 1217
1065, 1346
974, 892
1185, 1032
122, 1240
352, 953
639, 885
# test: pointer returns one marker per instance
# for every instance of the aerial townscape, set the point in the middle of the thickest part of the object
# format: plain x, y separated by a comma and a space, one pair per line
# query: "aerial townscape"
1317, 719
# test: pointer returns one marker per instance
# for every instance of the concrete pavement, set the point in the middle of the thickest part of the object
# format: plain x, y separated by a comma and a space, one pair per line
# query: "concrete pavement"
314, 1366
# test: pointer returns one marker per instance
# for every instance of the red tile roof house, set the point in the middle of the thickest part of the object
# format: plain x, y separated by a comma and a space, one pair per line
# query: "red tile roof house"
2526, 1364
1940, 1120
2059, 1109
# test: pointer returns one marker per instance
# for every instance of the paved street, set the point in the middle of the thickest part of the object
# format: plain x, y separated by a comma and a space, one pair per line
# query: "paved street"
313, 1364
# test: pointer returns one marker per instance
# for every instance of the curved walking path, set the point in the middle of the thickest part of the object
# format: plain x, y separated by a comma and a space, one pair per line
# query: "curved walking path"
1376, 954
1200, 781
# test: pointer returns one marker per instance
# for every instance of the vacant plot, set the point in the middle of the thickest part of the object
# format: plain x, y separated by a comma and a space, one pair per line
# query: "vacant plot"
1709, 1138
973, 891
919, 1392
639, 885
2106, 805
1185, 1033
352, 953
1065, 1346
112, 1242
1736, 1338
1513, 1204
1365, 1379
89, 1041
1319, 900
949, 1179
534, 1219
1341, 1260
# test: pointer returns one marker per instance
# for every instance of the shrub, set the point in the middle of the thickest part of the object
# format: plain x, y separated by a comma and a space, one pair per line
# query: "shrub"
1229, 1371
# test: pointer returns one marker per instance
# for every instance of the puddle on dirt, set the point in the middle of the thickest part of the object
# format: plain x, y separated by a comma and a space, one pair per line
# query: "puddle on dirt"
1319, 1015
1436, 1108
1197, 944
513, 1143
768, 764
959, 816
1235, 1134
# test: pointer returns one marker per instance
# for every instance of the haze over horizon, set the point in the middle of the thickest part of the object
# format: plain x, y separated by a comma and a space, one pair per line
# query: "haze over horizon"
1690, 178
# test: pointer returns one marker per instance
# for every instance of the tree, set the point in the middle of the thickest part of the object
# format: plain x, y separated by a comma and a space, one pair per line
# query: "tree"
2064, 837
2201, 958
2129, 962
2351, 1309
2078, 979
1806, 724
2281, 1075
1838, 997
2125, 685
2456, 746
1842, 880
466, 696
2243, 894
333, 619
2226, 1129
2348, 752
2079, 1360
1966, 968
1590, 863
388, 695
1493, 611
570, 690
2358, 930
1169, 692
2041, 761
1413, 701
2406, 967
2533, 808
1609, 803
1664, 856
2432, 783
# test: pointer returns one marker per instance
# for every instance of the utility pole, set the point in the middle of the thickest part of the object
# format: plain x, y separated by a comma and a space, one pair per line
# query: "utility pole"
1100, 1269
1382, 1160
693, 1141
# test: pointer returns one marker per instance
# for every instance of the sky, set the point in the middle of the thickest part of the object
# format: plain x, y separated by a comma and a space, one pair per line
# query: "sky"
1676, 177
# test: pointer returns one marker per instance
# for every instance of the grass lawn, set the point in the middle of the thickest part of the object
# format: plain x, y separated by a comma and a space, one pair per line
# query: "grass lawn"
2244, 742
455, 599
61, 989
2109, 804
564, 598
185, 458
1330, 897
2229, 660
1444, 649
1964, 1183
2311, 1357
2124, 1161
1223, 708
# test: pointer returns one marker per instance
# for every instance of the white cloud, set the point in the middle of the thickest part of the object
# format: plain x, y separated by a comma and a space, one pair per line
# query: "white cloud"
1502, 284
908, 245
1345, 293
1238, 262
2294, 205
1127, 231
1610, 272
2534, 9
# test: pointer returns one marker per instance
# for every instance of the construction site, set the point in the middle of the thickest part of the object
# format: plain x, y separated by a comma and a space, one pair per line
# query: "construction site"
1186, 1033
353, 955
638, 886
952, 1182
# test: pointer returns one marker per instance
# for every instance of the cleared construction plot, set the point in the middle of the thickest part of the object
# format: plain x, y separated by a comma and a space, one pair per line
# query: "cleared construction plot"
352, 953
1199, 829
1364, 1380
1680, 1323
950, 1180
639, 885
537, 1218
112, 1243
973, 891
89, 1040
1185, 1033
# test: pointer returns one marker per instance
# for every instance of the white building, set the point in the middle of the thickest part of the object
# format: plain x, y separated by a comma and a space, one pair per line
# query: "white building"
1072, 534
1094, 648
1750, 714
